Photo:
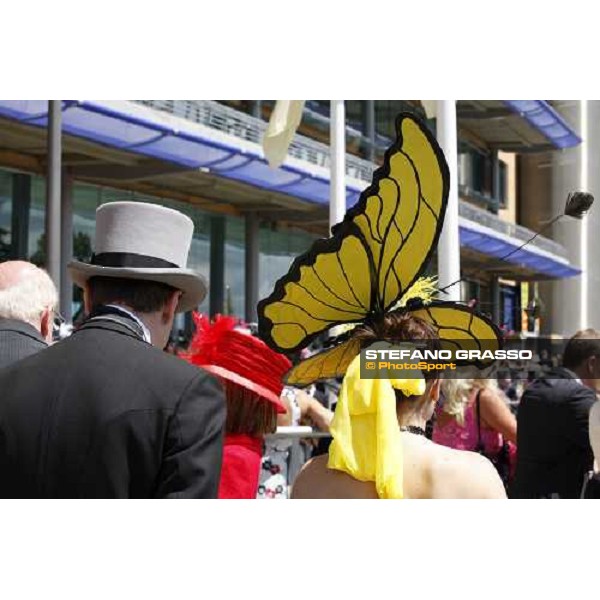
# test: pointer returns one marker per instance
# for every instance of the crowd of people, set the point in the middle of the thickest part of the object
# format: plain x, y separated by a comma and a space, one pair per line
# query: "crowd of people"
112, 410
108, 411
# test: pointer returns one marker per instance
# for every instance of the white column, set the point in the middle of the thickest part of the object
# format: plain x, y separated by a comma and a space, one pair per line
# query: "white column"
584, 248
53, 190
449, 244
569, 173
337, 140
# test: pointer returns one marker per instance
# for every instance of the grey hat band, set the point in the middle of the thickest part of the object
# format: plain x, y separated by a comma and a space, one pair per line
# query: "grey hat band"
131, 260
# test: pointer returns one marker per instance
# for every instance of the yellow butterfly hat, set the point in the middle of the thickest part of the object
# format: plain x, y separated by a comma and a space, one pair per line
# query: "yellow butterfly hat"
372, 265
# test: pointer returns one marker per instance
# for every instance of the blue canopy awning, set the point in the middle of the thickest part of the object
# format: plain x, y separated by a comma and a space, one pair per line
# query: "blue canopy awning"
546, 120
132, 128
128, 130
494, 245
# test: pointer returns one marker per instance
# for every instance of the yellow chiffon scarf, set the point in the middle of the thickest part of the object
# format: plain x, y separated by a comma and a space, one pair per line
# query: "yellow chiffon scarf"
367, 443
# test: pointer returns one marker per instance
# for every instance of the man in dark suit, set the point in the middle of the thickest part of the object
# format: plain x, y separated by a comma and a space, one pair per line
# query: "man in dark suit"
28, 299
106, 412
553, 444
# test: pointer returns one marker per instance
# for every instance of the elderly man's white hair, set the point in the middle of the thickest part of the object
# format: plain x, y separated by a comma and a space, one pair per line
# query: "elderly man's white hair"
26, 291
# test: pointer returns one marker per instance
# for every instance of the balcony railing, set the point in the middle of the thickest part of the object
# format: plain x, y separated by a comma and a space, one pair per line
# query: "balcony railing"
228, 120
239, 124
483, 217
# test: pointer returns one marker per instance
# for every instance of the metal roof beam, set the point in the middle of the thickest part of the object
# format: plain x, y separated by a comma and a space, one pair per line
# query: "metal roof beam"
127, 173
490, 113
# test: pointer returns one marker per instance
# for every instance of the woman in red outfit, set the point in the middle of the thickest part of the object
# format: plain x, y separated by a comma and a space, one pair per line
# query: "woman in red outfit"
252, 379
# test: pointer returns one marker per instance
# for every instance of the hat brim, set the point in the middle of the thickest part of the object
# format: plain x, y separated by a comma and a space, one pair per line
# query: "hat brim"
248, 384
192, 284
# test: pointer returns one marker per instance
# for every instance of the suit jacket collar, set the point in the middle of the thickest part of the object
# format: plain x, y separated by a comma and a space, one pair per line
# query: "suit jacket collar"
22, 328
113, 321
563, 373
131, 315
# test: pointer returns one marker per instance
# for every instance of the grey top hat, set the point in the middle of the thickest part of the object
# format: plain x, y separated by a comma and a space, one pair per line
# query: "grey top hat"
149, 242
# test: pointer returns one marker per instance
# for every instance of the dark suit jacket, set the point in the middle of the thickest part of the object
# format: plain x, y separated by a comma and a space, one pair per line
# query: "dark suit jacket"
18, 340
104, 414
553, 445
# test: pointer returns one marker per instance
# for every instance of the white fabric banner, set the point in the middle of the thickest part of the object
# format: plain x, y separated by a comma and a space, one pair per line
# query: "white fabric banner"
284, 121
430, 107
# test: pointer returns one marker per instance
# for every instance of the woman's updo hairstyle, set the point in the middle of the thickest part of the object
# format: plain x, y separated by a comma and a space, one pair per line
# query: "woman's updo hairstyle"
400, 326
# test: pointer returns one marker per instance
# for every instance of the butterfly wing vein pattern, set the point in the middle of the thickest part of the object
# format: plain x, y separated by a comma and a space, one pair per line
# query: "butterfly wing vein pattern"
375, 254
461, 329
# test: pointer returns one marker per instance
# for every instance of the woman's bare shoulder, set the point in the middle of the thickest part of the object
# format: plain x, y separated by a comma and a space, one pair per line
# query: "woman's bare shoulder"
308, 477
464, 474
453, 474
317, 481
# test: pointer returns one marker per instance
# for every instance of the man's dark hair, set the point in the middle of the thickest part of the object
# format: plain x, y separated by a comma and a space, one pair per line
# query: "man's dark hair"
580, 347
139, 295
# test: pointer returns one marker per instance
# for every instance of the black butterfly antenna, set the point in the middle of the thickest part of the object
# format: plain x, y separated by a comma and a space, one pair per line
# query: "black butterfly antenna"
577, 205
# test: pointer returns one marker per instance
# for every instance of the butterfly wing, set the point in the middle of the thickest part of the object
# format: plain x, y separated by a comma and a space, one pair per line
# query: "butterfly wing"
460, 328
401, 215
373, 256
327, 286
327, 364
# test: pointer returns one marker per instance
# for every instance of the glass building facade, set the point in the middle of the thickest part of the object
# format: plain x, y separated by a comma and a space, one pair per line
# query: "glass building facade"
370, 128
5, 214
22, 226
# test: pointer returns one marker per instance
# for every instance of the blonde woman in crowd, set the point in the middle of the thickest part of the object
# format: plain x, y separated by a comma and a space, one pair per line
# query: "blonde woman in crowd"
473, 415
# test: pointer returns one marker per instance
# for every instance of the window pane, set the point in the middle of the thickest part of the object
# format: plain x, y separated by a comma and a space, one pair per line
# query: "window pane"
277, 251
503, 176
235, 253
86, 199
36, 251
5, 214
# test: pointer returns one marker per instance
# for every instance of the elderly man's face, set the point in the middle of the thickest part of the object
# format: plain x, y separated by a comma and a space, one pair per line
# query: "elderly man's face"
47, 325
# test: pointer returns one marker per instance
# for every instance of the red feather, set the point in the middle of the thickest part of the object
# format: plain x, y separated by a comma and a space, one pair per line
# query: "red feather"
205, 344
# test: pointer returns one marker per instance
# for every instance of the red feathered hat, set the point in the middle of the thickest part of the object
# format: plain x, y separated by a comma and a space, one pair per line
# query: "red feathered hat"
239, 357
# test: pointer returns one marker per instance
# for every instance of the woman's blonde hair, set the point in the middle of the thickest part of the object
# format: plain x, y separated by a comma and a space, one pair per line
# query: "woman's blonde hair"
457, 393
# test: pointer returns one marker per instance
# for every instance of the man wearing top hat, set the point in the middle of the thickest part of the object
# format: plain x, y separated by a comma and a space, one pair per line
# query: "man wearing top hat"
106, 413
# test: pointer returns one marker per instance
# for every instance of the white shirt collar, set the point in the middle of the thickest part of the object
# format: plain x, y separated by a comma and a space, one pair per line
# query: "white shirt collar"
145, 330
